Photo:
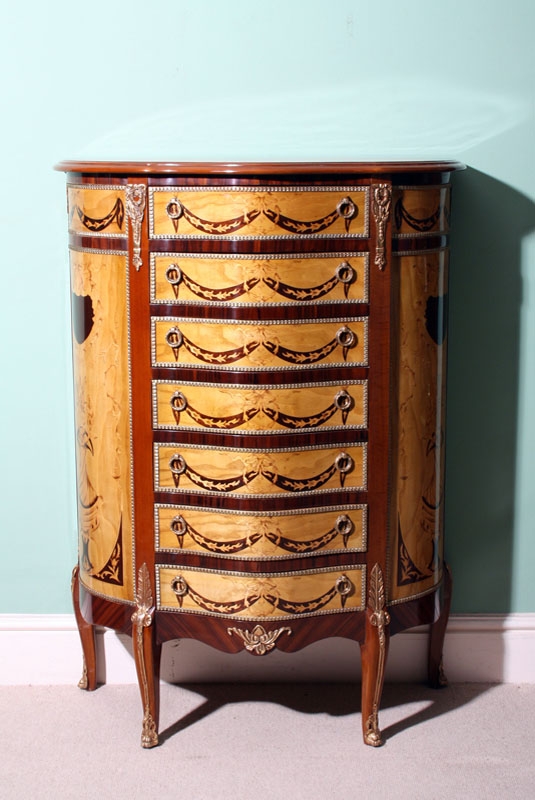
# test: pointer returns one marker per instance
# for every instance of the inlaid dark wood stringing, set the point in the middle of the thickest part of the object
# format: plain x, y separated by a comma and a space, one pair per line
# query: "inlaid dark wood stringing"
96, 225
300, 227
228, 293
238, 545
245, 603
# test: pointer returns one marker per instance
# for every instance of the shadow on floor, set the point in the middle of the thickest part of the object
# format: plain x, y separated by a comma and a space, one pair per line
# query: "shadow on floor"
337, 700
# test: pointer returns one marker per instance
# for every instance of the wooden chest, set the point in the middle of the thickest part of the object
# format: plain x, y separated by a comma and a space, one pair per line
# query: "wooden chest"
259, 369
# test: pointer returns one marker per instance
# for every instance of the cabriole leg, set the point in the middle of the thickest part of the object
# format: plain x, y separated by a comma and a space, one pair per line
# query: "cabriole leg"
436, 675
147, 657
86, 630
374, 651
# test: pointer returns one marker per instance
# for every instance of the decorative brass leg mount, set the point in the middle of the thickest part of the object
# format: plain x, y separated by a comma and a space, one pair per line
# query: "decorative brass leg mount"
374, 652
142, 620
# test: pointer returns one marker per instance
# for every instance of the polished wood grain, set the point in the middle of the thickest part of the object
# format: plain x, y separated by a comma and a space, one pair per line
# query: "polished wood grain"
423, 610
303, 631
213, 168
96, 211
259, 536
417, 534
140, 376
235, 212
226, 279
271, 596
214, 344
421, 211
436, 675
86, 630
225, 407
102, 418
180, 469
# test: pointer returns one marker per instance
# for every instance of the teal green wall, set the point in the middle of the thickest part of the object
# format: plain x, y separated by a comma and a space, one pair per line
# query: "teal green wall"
295, 80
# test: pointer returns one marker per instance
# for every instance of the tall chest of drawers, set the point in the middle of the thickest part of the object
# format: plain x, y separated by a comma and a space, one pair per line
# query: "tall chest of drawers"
259, 379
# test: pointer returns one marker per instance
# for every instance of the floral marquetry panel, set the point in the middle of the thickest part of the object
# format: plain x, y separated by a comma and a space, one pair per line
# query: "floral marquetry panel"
263, 595
257, 535
229, 279
102, 410
227, 407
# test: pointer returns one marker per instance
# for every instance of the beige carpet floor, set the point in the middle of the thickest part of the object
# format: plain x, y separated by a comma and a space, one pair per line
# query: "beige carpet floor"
300, 741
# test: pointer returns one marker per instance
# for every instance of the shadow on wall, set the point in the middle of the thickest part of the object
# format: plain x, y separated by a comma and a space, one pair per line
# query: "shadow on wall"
489, 221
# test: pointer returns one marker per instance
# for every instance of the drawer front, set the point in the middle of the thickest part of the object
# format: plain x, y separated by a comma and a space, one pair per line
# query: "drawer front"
249, 409
96, 211
237, 212
246, 472
266, 345
239, 595
420, 210
223, 279
260, 536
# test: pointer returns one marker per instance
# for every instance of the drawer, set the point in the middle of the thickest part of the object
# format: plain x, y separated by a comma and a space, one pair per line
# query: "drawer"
266, 409
218, 343
238, 212
420, 210
222, 279
258, 535
254, 472
96, 210
259, 596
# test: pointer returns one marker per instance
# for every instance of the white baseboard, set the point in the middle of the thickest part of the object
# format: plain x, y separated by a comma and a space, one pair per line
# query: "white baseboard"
45, 650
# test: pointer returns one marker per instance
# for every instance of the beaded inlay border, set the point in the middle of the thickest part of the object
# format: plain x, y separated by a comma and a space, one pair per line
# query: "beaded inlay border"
255, 387
349, 568
364, 189
97, 252
420, 235
418, 187
259, 323
258, 257
106, 597
421, 253
253, 451
107, 187
344, 507
96, 187
417, 596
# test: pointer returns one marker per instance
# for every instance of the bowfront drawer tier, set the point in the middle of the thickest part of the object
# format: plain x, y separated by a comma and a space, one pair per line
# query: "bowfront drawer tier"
227, 279
246, 472
262, 596
188, 529
239, 212
259, 382
215, 343
227, 407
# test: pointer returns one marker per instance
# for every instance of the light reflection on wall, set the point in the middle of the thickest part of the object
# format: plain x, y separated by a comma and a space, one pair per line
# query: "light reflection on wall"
379, 120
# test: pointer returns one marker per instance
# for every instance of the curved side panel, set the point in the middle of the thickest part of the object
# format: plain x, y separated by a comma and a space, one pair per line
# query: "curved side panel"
102, 419
416, 545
